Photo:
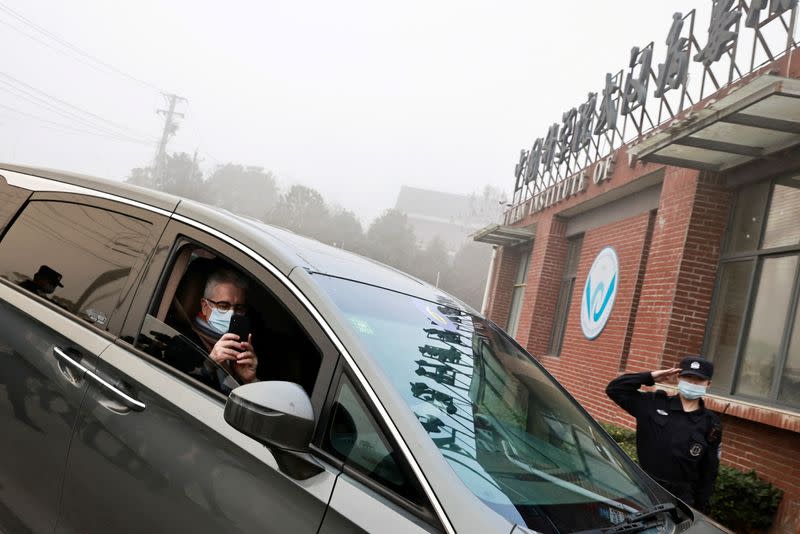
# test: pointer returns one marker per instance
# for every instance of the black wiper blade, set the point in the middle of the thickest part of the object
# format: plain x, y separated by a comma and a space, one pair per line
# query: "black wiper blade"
638, 521
655, 510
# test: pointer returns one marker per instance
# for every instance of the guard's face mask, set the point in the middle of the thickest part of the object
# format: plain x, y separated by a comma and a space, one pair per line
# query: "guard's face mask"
691, 391
220, 321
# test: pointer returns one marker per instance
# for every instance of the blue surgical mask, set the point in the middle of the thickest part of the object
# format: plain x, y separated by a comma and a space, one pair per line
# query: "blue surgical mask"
220, 321
691, 391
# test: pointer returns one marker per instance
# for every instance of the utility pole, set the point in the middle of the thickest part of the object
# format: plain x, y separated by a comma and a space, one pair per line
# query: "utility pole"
170, 127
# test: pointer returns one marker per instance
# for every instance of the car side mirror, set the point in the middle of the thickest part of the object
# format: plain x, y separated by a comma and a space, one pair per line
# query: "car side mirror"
278, 414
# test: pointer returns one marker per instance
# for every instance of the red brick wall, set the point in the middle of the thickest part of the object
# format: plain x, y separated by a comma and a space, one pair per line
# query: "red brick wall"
652, 324
544, 278
637, 294
698, 270
585, 367
505, 269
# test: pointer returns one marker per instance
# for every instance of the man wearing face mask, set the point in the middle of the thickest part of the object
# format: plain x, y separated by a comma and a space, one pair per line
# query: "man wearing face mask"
677, 438
225, 295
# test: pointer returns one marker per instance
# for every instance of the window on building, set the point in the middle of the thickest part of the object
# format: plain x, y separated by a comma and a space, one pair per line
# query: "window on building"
754, 333
565, 295
518, 292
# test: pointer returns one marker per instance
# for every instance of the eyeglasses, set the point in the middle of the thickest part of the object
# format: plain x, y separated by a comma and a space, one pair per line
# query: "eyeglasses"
224, 306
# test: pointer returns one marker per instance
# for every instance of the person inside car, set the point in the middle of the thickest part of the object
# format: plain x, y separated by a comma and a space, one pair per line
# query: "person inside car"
225, 294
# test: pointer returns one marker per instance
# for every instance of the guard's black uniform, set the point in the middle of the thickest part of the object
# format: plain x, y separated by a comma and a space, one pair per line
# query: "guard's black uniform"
679, 449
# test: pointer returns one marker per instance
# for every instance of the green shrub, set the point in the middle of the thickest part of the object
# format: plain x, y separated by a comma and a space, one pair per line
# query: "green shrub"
624, 437
741, 501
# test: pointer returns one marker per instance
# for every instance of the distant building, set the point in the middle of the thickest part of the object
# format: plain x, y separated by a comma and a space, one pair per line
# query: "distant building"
452, 217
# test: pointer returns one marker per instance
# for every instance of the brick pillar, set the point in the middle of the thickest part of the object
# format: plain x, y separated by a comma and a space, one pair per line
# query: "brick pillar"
505, 268
493, 282
698, 270
681, 269
544, 279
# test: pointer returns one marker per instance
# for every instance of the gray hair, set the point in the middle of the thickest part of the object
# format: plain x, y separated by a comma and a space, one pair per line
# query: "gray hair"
224, 276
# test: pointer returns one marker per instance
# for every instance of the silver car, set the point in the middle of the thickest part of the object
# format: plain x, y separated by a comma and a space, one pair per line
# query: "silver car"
381, 403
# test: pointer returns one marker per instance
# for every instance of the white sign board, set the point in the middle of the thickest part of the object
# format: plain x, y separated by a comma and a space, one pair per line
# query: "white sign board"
599, 293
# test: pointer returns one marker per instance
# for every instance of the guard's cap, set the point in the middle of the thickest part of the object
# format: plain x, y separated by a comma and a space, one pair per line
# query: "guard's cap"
696, 366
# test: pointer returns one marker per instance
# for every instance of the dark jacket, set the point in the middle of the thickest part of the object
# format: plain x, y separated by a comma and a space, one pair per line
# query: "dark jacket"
679, 449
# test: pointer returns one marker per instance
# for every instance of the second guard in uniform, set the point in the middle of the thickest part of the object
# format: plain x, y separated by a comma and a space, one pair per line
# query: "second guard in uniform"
677, 438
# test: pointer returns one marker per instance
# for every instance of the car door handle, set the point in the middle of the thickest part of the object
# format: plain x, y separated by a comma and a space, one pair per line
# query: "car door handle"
130, 401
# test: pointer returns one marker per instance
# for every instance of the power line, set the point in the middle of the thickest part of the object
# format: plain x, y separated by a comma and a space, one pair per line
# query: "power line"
66, 44
59, 128
69, 128
28, 97
99, 129
104, 126
34, 92
53, 47
72, 129
86, 118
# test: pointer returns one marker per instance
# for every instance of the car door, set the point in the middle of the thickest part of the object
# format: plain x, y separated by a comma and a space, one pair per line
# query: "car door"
166, 460
377, 491
66, 263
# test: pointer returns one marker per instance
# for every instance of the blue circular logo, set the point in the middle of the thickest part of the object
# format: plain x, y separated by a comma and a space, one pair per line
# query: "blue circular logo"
599, 293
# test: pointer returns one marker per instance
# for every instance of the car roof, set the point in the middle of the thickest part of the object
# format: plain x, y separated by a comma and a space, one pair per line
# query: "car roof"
281, 247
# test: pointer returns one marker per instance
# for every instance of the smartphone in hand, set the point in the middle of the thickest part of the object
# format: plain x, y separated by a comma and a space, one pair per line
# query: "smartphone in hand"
240, 325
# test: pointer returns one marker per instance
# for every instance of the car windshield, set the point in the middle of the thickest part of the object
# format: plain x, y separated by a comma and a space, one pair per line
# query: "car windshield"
509, 431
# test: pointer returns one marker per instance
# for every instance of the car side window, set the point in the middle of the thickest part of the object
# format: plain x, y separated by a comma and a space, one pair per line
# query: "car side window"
194, 311
77, 256
354, 437
11, 200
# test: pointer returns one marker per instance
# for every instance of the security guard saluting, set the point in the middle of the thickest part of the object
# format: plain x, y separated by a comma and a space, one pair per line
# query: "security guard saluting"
677, 439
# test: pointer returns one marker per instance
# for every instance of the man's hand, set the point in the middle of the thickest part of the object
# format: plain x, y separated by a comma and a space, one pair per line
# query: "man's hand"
665, 374
226, 349
246, 362
242, 358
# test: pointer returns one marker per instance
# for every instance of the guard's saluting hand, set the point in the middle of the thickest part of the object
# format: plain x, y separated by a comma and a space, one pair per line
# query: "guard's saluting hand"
665, 375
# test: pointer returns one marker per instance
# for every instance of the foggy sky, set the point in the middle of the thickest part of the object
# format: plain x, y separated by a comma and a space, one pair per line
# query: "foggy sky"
353, 98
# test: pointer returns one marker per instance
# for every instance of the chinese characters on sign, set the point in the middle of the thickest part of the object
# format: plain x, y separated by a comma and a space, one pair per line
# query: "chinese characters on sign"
607, 117
554, 166
635, 94
583, 126
672, 73
720, 36
776, 7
